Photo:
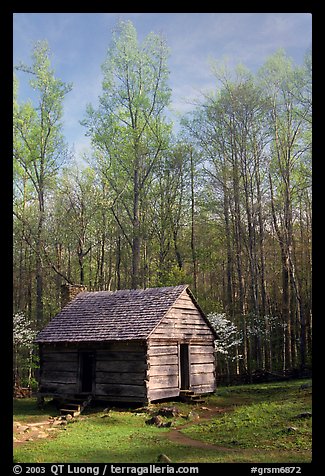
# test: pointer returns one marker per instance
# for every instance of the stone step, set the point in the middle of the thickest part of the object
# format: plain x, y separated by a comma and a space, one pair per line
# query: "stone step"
75, 406
190, 397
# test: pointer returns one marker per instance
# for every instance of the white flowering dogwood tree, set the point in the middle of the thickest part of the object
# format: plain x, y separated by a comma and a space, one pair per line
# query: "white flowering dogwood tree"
229, 338
23, 338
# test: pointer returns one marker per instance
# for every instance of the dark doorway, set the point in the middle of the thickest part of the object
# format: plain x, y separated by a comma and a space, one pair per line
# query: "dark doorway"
184, 363
87, 371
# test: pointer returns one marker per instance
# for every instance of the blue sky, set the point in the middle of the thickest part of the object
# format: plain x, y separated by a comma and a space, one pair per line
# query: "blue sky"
79, 42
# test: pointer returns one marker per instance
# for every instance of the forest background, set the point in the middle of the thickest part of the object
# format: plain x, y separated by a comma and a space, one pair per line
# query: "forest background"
223, 205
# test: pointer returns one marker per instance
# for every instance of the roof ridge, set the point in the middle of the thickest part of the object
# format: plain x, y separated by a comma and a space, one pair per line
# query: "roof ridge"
180, 286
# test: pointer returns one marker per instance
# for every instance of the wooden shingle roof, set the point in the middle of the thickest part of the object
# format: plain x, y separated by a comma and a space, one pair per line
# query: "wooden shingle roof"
106, 315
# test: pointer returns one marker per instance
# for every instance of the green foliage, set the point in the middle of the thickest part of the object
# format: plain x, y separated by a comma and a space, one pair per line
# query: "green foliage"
173, 277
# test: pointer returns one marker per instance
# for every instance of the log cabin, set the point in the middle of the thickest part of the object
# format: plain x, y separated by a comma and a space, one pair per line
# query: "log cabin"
128, 346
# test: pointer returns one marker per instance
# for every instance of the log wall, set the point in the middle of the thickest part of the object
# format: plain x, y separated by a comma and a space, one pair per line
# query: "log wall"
120, 370
182, 324
202, 368
59, 370
163, 370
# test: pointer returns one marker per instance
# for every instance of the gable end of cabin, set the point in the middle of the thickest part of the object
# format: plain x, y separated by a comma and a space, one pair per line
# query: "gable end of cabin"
181, 355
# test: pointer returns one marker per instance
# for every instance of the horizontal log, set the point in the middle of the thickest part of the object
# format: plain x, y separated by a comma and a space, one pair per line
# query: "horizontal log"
201, 330
125, 345
202, 358
54, 348
59, 357
120, 355
183, 319
114, 346
60, 366
120, 398
120, 366
202, 349
183, 326
58, 377
171, 359
188, 307
166, 381
194, 340
159, 394
162, 349
202, 368
186, 333
136, 378
186, 312
185, 298
204, 388
156, 370
116, 390
202, 379
59, 388
183, 306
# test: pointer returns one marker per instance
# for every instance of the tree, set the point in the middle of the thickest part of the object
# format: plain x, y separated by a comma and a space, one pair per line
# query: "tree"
228, 340
79, 197
166, 205
38, 144
254, 137
128, 129
228, 128
289, 116
23, 338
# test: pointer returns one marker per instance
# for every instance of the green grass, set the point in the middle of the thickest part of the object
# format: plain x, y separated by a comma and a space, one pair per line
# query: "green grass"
264, 417
254, 428
122, 437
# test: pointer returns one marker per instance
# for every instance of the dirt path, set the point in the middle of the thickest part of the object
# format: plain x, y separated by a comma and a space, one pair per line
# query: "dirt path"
205, 414
177, 437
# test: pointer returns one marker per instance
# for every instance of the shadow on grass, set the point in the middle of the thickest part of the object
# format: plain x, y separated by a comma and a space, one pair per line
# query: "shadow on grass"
27, 407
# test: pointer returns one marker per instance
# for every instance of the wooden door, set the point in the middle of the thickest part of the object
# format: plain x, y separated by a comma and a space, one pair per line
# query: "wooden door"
87, 372
184, 363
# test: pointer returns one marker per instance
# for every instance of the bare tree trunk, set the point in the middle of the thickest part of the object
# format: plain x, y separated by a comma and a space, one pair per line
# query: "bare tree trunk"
238, 258
286, 317
136, 239
39, 267
229, 268
267, 340
118, 262
193, 245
